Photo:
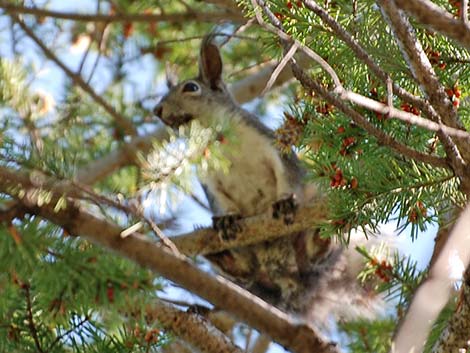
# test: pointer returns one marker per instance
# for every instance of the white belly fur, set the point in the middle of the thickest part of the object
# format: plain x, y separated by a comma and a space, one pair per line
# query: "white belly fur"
255, 178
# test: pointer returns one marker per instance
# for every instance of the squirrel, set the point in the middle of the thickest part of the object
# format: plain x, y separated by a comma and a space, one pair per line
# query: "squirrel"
301, 273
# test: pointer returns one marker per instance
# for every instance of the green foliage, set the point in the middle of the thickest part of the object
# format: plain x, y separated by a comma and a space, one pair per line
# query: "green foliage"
440, 324
171, 161
73, 291
367, 337
368, 183
397, 277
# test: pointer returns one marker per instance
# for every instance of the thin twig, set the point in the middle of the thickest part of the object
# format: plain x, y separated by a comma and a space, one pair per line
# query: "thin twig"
360, 120
101, 47
31, 324
287, 57
82, 322
121, 121
362, 55
198, 37
125, 17
284, 36
88, 49
410, 118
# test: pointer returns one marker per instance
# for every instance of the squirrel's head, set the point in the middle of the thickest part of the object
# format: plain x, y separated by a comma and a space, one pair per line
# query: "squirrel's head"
198, 97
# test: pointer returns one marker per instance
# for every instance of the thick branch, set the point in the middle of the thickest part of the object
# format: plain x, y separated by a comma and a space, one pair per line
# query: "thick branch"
254, 230
126, 17
454, 338
433, 293
124, 124
192, 328
438, 19
125, 155
219, 291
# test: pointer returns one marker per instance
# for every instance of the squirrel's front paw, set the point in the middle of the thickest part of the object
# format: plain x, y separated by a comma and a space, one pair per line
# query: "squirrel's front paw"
227, 226
285, 208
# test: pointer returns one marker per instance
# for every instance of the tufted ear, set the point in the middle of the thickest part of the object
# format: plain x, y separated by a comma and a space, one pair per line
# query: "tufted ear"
171, 76
210, 63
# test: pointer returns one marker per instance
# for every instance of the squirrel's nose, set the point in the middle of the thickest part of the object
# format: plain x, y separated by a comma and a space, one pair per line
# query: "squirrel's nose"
158, 110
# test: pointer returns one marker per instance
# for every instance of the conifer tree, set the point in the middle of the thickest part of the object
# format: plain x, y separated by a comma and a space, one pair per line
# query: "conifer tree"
373, 96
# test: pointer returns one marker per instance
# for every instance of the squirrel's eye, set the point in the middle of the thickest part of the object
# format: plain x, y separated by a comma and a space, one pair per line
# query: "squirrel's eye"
191, 87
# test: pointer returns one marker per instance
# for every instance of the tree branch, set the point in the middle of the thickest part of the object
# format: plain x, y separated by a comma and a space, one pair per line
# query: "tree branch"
410, 118
229, 4
276, 28
192, 328
333, 99
125, 155
361, 54
254, 230
295, 336
382, 137
433, 293
126, 17
438, 19
454, 338
426, 77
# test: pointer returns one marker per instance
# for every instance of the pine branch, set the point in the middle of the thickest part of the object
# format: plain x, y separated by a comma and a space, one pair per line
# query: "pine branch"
126, 17
276, 27
332, 98
438, 19
297, 337
409, 118
124, 124
426, 77
82, 322
361, 121
361, 54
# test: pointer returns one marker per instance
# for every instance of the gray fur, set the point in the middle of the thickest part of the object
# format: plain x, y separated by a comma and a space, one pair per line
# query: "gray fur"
301, 273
